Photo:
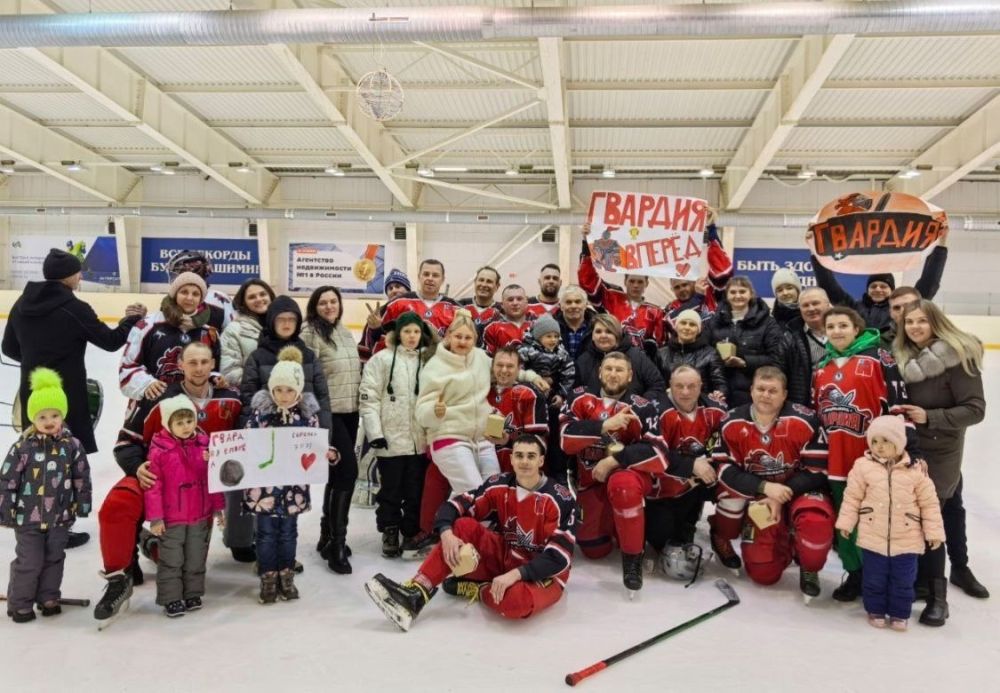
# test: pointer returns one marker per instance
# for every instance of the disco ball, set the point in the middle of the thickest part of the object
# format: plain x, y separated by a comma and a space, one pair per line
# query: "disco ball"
381, 96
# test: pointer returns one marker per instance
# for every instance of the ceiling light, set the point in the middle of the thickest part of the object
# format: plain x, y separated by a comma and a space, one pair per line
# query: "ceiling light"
333, 170
608, 172
156, 168
7, 166
72, 166
805, 173
511, 171
168, 171
908, 173
706, 172
425, 171
451, 169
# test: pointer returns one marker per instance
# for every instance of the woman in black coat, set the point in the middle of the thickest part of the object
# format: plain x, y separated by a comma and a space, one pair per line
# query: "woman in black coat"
49, 326
606, 336
689, 345
745, 321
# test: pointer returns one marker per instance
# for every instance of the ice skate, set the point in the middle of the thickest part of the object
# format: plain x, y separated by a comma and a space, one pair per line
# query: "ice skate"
809, 584
723, 548
632, 573
417, 547
460, 587
115, 599
401, 603
850, 587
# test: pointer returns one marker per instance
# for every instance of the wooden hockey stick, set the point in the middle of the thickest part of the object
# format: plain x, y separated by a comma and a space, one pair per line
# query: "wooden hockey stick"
732, 599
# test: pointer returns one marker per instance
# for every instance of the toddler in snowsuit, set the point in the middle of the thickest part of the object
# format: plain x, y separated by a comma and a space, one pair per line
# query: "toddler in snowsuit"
44, 487
278, 507
544, 355
179, 507
892, 501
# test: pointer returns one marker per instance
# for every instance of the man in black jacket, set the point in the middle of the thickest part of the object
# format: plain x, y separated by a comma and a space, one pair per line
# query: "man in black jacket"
49, 326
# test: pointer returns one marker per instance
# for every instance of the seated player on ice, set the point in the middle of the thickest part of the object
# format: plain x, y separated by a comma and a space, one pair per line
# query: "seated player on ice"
517, 568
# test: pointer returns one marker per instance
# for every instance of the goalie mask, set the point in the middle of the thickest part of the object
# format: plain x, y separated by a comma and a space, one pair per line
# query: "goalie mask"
189, 261
682, 561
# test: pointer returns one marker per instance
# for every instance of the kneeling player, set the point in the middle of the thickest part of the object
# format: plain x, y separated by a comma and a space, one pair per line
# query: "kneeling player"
520, 569
773, 452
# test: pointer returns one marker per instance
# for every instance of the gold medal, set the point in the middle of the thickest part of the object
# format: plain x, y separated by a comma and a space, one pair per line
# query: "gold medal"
364, 270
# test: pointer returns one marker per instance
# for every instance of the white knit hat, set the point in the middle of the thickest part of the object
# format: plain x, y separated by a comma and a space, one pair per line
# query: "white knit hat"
784, 276
172, 405
287, 371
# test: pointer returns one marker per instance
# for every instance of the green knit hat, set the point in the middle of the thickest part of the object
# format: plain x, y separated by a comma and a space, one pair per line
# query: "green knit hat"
46, 393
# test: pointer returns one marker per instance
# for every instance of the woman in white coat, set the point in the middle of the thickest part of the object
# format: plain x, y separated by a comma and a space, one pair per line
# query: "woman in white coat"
241, 335
452, 408
390, 385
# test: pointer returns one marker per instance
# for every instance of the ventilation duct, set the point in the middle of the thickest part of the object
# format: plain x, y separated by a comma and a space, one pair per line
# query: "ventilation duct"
471, 23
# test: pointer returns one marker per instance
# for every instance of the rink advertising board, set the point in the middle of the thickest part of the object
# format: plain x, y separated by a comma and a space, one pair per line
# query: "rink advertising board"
353, 268
97, 254
234, 260
876, 231
648, 234
761, 263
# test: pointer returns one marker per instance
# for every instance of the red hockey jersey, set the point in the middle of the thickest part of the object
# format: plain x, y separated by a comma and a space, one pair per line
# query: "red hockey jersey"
481, 316
537, 307
438, 314
502, 332
848, 397
692, 435
642, 322
580, 423
536, 526
720, 270
525, 411
747, 455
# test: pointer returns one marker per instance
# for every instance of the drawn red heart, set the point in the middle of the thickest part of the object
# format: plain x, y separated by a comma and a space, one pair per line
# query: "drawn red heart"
308, 460
683, 268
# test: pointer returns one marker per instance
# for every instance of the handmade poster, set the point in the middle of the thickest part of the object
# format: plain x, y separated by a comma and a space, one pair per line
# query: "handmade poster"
354, 268
648, 234
97, 254
251, 457
870, 232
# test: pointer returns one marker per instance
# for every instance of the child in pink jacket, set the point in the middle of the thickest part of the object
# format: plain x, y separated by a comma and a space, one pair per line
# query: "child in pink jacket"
893, 503
179, 507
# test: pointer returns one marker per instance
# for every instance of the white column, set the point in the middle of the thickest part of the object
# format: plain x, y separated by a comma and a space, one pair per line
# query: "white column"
121, 244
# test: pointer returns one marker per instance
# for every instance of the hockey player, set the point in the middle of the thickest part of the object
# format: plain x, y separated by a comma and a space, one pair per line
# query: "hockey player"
619, 453
518, 570
701, 295
482, 305
547, 300
522, 407
509, 328
773, 452
121, 514
434, 308
197, 262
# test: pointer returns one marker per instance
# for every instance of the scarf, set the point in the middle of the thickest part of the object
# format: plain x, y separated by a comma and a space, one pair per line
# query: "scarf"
866, 340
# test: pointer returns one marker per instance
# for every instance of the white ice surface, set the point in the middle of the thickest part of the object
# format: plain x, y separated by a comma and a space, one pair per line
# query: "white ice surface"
333, 638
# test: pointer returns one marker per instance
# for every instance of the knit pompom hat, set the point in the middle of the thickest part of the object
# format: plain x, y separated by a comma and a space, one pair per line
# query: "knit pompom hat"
183, 279
288, 371
891, 428
46, 393
689, 314
172, 405
396, 276
544, 325
784, 276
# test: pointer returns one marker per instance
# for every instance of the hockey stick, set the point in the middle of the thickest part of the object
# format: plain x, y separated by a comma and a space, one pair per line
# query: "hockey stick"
64, 601
732, 599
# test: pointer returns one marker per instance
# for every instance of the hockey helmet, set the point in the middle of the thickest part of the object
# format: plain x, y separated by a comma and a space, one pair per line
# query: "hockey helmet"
682, 561
189, 261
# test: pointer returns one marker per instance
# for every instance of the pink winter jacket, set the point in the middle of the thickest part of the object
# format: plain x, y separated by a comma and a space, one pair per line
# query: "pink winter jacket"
180, 495
895, 507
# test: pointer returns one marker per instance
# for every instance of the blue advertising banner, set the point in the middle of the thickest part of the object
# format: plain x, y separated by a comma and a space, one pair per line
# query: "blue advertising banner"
760, 263
234, 260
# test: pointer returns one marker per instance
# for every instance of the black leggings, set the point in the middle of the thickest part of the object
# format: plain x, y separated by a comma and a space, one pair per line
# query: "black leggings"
343, 475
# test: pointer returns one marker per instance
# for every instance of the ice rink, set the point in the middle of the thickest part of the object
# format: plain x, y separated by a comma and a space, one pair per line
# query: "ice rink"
334, 638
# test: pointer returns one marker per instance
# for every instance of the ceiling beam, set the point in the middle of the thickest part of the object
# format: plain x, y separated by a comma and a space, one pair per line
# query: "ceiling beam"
479, 192
810, 63
961, 151
309, 65
461, 58
550, 52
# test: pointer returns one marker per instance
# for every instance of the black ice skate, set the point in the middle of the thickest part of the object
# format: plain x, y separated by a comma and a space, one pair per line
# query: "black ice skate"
401, 603
850, 588
723, 548
417, 547
632, 573
459, 587
809, 585
390, 542
115, 599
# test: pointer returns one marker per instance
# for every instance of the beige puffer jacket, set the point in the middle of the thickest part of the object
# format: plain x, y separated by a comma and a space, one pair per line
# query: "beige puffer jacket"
895, 507
341, 365
238, 341
465, 381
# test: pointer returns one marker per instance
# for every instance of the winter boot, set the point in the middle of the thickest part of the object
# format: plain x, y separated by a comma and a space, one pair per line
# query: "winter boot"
390, 542
50, 609
76, 539
401, 603
808, 584
135, 570
417, 547
850, 587
921, 590
723, 548
936, 612
286, 585
899, 624
340, 508
175, 609
149, 545
632, 572
116, 595
324, 537
963, 579
22, 616
459, 587
192, 603
268, 588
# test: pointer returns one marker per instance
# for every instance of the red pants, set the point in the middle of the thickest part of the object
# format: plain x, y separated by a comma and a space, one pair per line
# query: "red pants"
614, 508
436, 491
521, 600
766, 553
119, 520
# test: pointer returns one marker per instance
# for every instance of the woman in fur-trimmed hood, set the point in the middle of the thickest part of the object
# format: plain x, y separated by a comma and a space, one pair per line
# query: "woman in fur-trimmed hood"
942, 368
